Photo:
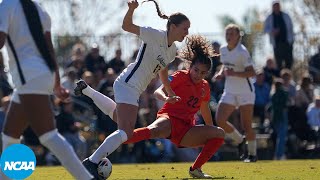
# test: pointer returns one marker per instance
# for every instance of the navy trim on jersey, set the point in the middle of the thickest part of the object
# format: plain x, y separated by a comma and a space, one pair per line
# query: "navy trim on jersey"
249, 84
138, 63
23, 81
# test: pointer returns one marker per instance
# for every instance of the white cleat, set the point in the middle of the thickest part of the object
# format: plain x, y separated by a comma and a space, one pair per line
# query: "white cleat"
197, 173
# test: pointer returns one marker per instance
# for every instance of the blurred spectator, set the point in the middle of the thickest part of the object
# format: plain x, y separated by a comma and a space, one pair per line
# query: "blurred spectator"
94, 61
314, 66
289, 85
304, 95
280, 29
262, 91
313, 114
280, 118
78, 64
69, 79
215, 59
69, 128
270, 71
117, 64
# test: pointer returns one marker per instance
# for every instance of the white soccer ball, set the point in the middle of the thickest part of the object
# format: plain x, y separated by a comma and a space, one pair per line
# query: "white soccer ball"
105, 168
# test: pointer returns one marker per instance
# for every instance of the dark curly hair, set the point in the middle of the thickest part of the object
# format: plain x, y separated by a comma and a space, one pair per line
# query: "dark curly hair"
198, 50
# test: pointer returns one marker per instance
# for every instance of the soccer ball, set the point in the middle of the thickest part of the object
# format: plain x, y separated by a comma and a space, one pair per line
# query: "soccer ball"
105, 168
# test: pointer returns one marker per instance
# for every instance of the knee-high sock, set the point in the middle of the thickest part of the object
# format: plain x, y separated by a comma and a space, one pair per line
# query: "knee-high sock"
139, 135
104, 103
208, 150
65, 153
111, 143
252, 147
7, 141
235, 136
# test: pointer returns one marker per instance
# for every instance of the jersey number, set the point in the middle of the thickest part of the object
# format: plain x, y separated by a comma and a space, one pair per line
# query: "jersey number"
192, 101
157, 69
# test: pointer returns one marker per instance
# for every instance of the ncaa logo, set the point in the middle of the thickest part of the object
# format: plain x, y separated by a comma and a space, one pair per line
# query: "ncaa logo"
18, 161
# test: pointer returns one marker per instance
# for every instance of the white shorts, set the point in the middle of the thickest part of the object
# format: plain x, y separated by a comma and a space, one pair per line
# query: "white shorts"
124, 93
238, 99
39, 85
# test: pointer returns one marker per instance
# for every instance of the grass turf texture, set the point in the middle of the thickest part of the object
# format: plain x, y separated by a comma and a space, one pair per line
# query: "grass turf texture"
290, 169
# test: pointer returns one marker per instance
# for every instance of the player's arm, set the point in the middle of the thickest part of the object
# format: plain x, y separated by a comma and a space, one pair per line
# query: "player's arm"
248, 72
127, 23
3, 37
163, 74
161, 94
59, 91
206, 113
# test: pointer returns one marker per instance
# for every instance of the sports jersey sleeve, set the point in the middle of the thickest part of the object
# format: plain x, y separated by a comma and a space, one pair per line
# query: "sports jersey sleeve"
148, 34
207, 95
247, 60
4, 16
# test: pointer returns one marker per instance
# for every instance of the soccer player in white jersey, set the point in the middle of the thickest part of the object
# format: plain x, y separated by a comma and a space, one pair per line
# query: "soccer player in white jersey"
35, 75
239, 90
156, 52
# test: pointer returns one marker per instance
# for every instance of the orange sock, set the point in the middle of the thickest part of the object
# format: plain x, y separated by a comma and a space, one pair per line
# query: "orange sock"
208, 150
139, 135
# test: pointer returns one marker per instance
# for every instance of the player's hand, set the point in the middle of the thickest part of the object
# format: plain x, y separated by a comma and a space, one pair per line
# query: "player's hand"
61, 92
133, 4
172, 99
218, 77
228, 72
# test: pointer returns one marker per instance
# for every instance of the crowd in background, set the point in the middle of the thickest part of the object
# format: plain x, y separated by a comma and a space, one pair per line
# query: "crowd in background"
85, 126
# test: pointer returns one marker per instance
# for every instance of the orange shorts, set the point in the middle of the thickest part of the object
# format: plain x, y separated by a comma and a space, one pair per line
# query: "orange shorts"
179, 128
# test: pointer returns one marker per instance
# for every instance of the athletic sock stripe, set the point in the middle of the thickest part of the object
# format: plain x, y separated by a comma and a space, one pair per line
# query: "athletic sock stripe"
138, 63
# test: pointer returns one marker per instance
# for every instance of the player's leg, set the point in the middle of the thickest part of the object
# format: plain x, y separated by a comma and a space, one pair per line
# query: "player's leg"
41, 118
14, 125
127, 114
211, 138
223, 113
104, 103
246, 113
160, 128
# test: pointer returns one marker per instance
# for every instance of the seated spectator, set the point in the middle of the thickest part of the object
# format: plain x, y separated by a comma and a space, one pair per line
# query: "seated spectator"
262, 92
313, 114
314, 66
94, 61
117, 64
270, 71
69, 128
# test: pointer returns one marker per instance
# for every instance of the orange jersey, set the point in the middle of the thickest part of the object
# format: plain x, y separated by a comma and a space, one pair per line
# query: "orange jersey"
192, 95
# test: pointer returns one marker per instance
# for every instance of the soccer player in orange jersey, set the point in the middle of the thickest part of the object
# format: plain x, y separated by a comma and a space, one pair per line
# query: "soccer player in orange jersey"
175, 119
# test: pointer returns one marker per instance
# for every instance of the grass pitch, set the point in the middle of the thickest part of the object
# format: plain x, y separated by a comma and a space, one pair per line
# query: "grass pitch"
290, 169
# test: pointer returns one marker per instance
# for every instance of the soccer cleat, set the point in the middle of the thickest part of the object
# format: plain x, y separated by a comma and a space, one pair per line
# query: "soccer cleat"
81, 84
250, 159
197, 173
92, 168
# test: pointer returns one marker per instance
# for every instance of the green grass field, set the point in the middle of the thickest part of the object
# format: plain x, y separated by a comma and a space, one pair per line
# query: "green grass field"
290, 169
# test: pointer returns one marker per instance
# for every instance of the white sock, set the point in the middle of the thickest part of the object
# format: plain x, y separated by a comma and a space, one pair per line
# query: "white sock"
104, 103
252, 148
58, 145
7, 141
235, 136
110, 144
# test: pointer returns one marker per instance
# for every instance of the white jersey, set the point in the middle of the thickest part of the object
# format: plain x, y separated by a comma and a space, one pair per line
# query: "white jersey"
154, 54
237, 59
14, 24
